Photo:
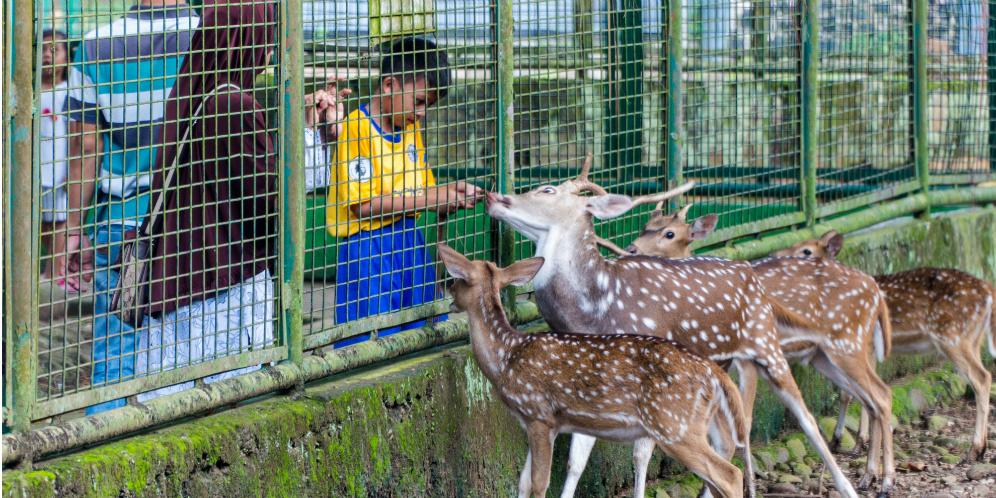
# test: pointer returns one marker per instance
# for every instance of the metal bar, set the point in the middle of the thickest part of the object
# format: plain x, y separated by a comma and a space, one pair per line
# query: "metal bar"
103, 426
810, 105
354, 328
858, 201
624, 91
674, 109
293, 221
920, 115
160, 379
964, 178
866, 218
24, 255
505, 137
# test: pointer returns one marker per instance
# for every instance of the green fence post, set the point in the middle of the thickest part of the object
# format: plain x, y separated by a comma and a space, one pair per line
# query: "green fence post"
674, 110
624, 91
919, 76
24, 253
504, 137
810, 105
292, 156
991, 82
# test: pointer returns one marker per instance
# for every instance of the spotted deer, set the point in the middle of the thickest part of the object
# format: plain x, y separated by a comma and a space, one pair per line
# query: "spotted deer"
932, 310
614, 387
714, 307
846, 307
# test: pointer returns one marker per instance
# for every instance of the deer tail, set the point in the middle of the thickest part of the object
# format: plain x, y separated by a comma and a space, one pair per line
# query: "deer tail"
785, 317
732, 406
883, 332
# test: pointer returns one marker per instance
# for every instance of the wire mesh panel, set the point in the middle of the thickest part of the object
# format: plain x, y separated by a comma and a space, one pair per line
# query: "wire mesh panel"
959, 121
742, 109
419, 127
865, 94
126, 92
590, 79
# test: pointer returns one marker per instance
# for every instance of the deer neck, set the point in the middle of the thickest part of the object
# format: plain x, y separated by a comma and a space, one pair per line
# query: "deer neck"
491, 335
570, 250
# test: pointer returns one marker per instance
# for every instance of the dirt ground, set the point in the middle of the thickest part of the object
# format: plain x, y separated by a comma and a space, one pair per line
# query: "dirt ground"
921, 473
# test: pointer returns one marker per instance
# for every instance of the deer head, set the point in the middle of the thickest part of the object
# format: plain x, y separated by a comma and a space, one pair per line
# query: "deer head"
826, 246
668, 236
482, 278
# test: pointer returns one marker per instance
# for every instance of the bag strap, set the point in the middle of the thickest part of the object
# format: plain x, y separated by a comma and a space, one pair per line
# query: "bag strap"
161, 199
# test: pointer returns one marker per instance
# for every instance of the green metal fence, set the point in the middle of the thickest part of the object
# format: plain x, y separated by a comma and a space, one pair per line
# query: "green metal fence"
785, 113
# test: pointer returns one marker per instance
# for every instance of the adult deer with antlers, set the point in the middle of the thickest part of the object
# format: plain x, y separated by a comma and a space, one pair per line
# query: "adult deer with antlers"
615, 387
711, 306
932, 309
849, 315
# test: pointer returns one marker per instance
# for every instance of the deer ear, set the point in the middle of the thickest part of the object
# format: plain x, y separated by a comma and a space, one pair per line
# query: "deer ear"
609, 206
456, 264
834, 242
703, 226
521, 272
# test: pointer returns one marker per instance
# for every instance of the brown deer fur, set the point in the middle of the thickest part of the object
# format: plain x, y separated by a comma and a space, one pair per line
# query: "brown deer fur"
933, 309
850, 317
714, 307
615, 387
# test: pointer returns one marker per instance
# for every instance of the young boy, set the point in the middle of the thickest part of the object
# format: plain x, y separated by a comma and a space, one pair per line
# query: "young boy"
382, 183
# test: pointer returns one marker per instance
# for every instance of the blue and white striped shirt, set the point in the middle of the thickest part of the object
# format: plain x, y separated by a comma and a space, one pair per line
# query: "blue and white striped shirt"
121, 77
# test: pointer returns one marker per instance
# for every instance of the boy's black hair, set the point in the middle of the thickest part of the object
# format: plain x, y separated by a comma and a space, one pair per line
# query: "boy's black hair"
412, 57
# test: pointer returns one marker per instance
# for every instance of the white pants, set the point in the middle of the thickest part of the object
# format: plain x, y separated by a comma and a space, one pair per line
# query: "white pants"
236, 320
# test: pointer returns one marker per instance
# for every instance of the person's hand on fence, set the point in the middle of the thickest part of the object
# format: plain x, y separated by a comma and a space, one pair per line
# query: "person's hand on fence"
450, 198
73, 264
332, 109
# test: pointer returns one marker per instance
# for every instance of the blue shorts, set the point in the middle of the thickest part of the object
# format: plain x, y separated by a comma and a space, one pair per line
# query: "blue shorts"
383, 271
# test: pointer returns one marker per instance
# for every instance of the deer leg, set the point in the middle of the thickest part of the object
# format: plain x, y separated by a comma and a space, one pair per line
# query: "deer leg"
643, 449
721, 441
784, 386
748, 391
861, 440
581, 446
541, 454
838, 430
526, 479
722, 478
969, 364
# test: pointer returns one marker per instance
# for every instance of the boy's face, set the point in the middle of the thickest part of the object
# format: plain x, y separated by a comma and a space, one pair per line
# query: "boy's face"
405, 103
54, 55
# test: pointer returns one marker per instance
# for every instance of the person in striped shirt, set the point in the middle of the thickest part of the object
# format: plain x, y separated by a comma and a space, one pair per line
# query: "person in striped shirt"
121, 77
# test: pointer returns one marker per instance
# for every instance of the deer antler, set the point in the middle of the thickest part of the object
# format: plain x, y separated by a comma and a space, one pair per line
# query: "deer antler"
607, 244
663, 196
582, 183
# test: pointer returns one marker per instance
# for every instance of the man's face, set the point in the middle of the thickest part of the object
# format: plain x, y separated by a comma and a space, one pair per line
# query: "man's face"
406, 103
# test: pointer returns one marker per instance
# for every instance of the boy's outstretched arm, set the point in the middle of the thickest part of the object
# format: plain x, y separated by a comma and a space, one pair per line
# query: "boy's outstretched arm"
443, 199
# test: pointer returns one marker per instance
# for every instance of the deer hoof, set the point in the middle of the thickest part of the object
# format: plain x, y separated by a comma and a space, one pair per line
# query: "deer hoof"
884, 493
976, 454
866, 482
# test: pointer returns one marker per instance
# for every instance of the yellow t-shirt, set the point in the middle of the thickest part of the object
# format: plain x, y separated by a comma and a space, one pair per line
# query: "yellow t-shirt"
369, 164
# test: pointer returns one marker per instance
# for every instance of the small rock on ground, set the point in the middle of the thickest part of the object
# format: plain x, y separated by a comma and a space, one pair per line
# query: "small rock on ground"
936, 422
981, 471
796, 448
782, 487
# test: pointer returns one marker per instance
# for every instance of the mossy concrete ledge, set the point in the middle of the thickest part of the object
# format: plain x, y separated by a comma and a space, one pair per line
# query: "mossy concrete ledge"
425, 425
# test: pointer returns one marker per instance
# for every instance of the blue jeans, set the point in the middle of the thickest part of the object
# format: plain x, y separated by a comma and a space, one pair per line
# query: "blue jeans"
382, 271
113, 341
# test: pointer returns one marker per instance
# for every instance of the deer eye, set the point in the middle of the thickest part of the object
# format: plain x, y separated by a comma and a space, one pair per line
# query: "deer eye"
807, 252
669, 235
549, 190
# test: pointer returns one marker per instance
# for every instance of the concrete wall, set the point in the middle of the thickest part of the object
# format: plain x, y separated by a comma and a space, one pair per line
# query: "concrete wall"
429, 425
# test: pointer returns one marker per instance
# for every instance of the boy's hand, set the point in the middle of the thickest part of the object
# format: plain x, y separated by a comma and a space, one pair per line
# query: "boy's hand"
448, 199
325, 106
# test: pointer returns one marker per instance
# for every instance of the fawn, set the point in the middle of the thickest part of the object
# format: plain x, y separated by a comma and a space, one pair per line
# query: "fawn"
932, 309
850, 317
714, 307
615, 387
